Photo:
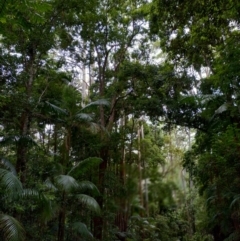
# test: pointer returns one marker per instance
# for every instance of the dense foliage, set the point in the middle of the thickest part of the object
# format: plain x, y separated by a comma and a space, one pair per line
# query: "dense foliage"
101, 138
204, 35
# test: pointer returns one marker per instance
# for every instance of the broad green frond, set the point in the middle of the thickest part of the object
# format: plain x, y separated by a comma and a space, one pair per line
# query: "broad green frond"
48, 209
84, 117
222, 108
30, 193
94, 127
235, 200
82, 229
10, 181
50, 185
11, 229
86, 165
8, 165
56, 109
98, 102
66, 182
89, 202
86, 185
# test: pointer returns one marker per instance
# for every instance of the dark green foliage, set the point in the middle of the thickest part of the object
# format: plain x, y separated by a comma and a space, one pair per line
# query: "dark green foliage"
121, 140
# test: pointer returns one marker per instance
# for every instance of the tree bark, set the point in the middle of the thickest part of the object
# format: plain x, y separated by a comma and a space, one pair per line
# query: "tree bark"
24, 126
140, 166
61, 220
22, 146
122, 215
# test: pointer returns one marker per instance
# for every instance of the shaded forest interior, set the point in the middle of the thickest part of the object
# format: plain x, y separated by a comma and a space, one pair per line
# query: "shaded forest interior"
119, 120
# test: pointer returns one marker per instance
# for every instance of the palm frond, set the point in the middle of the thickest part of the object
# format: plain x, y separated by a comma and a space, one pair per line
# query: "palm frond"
97, 102
82, 229
89, 202
30, 193
86, 165
56, 109
10, 181
66, 182
84, 117
48, 209
50, 185
8, 165
200, 99
222, 108
86, 185
11, 229
94, 128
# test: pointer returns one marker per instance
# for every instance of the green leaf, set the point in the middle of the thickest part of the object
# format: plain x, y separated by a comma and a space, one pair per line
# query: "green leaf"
67, 183
48, 209
8, 165
10, 181
50, 185
12, 230
56, 109
82, 229
84, 117
89, 202
3, 20
86, 165
86, 185
235, 200
97, 102
30, 193
222, 108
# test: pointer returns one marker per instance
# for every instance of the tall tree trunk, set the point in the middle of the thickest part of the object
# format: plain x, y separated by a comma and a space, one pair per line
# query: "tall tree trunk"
61, 220
140, 166
98, 221
24, 124
145, 176
22, 146
122, 215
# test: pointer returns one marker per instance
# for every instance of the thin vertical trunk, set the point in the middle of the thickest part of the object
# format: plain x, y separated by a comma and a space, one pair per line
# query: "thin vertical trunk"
64, 161
61, 220
84, 80
55, 138
121, 216
98, 221
66, 149
22, 147
145, 177
104, 151
122, 161
191, 212
140, 166
189, 147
